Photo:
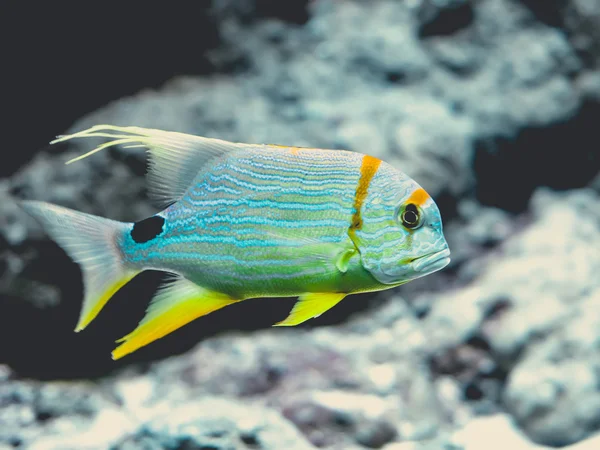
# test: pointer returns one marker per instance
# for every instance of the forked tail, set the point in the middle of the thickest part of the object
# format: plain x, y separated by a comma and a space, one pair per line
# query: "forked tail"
90, 241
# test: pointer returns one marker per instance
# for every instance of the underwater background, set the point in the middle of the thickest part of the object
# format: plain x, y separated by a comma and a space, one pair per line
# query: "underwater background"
493, 106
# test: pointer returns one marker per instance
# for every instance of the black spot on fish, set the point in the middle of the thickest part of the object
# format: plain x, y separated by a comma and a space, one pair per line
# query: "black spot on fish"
147, 229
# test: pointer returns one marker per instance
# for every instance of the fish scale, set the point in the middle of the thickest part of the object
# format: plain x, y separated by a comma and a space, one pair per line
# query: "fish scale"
247, 220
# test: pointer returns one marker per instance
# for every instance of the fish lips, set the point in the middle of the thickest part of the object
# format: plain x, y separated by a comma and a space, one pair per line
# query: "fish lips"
432, 262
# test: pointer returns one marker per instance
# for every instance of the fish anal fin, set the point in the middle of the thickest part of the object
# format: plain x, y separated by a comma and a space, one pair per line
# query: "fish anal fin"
310, 305
174, 306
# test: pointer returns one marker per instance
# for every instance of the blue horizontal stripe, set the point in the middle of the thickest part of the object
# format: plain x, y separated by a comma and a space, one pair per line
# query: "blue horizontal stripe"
272, 204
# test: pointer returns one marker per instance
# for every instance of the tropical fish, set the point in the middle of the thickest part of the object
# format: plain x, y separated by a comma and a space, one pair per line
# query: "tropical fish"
243, 221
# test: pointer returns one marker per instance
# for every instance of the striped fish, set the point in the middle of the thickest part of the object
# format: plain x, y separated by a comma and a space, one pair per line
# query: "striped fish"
242, 221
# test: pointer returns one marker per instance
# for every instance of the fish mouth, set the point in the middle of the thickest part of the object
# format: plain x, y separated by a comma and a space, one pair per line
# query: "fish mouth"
432, 262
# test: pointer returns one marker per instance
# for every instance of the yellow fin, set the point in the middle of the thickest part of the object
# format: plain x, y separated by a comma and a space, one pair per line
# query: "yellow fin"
311, 305
343, 259
95, 301
174, 306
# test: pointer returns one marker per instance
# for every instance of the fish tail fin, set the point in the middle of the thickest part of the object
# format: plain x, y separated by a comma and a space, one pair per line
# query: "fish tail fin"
91, 242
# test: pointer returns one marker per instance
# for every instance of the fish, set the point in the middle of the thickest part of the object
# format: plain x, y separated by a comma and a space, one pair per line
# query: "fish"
239, 221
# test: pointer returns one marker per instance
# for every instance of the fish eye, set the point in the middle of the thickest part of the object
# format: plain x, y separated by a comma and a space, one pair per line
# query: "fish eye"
411, 216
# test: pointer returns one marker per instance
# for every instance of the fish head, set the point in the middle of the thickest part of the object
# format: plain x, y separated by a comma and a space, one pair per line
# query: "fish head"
401, 236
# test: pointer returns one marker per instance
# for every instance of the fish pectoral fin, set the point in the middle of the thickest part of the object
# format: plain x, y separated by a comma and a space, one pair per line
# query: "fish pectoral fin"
343, 259
174, 306
310, 305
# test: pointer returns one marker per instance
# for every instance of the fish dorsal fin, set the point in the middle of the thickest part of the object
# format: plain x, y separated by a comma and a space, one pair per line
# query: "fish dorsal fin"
174, 158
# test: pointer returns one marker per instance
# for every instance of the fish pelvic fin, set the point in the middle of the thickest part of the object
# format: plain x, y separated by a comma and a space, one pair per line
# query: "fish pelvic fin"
91, 242
310, 305
175, 305
174, 158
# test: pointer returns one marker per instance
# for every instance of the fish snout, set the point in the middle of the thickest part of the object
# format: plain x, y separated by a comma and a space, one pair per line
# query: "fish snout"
432, 262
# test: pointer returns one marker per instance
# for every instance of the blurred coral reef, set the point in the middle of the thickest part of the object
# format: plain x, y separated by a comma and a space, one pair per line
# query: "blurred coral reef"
491, 105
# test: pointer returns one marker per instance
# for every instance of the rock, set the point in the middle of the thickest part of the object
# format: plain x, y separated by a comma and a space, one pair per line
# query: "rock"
566, 257
218, 424
80, 415
493, 433
552, 392
542, 285
581, 19
327, 388
588, 444
33, 414
431, 132
498, 432
360, 414
588, 84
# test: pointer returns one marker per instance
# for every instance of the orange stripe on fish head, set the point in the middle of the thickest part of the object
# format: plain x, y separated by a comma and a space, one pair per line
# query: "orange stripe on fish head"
368, 168
419, 197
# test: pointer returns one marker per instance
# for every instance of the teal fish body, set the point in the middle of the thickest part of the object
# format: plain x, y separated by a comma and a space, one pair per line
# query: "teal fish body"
244, 221
260, 222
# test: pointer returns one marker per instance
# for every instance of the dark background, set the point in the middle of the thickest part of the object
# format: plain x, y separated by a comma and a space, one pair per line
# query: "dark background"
61, 60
